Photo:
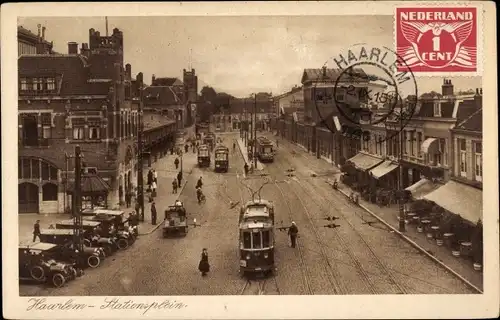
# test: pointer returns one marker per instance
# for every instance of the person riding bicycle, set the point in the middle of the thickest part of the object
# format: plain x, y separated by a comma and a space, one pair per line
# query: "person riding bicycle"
199, 194
199, 184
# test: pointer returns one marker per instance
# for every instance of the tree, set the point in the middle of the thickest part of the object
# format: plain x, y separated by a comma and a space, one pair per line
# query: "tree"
430, 95
208, 94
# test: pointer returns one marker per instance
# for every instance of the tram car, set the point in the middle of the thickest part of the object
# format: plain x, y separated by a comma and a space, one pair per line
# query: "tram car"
264, 149
209, 140
203, 156
256, 235
221, 158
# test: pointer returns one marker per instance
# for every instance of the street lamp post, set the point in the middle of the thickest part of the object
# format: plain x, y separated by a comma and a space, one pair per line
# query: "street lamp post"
254, 127
140, 175
77, 206
402, 227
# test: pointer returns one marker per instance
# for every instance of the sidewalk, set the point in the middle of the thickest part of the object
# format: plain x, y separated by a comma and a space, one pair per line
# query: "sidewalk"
166, 173
244, 153
164, 197
443, 254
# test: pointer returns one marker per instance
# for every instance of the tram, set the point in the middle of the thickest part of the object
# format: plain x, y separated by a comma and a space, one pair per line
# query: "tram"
264, 149
203, 156
256, 233
221, 158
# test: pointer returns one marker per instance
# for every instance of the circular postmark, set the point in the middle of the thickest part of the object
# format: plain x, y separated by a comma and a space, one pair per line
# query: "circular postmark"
362, 87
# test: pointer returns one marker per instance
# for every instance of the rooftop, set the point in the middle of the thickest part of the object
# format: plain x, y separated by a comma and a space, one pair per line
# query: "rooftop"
473, 123
156, 120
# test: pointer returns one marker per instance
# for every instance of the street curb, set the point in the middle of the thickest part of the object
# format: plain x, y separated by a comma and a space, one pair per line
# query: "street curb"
179, 194
415, 245
243, 156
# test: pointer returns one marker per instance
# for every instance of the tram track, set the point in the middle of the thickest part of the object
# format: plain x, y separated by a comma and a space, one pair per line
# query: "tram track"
368, 278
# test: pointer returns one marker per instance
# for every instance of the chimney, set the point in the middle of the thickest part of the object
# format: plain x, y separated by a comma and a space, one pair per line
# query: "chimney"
139, 79
192, 70
43, 33
39, 27
324, 71
447, 88
72, 47
84, 50
153, 78
128, 70
478, 98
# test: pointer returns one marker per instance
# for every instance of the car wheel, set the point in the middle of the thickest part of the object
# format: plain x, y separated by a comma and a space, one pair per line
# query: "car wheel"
122, 244
37, 273
58, 280
74, 273
93, 261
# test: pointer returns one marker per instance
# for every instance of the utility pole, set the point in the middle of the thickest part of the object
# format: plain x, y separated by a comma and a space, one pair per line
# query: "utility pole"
402, 227
254, 144
246, 121
77, 205
140, 175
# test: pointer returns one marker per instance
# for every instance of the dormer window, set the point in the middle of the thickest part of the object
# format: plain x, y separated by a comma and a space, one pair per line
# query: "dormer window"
437, 109
37, 85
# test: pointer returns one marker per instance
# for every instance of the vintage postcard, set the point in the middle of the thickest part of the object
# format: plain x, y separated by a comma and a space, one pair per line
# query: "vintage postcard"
250, 160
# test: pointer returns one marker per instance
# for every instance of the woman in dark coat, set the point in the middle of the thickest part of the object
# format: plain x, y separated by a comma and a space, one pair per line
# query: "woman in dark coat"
204, 266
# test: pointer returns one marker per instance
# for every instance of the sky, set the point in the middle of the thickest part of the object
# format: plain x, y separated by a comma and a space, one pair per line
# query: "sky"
237, 55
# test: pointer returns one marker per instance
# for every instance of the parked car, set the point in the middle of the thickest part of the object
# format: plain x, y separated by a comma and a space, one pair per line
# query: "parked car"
64, 238
113, 221
37, 263
93, 233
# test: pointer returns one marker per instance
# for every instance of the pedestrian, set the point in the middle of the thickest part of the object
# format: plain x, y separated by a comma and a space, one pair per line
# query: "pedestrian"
153, 189
186, 148
174, 186
199, 184
153, 213
179, 179
36, 230
155, 176
292, 232
176, 162
133, 221
204, 266
246, 168
150, 177
171, 150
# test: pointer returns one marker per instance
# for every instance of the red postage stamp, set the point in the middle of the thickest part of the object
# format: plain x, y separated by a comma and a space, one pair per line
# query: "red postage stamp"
437, 39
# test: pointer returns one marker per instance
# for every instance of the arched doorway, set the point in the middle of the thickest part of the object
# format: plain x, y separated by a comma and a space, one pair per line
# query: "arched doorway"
28, 198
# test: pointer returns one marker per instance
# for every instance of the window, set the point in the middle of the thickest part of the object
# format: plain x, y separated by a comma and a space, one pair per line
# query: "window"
405, 136
51, 84
437, 109
443, 151
24, 84
478, 160
412, 145
256, 241
94, 133
37, 84
49, 192
247, 240
78, 133
463, 157
419, 142
266, 239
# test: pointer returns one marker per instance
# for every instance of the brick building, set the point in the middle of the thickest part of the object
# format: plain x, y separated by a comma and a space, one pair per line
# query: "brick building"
30, 43
462, 194
240, 111
87, 98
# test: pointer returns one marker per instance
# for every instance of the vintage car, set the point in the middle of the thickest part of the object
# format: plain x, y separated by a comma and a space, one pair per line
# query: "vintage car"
64, 238
36, 263
93, 233
175, 221
114, 222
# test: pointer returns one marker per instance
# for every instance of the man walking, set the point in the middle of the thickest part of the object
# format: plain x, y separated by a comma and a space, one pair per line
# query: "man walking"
179, 179
36, 231
292, 232
176, 162
153, 213
174, 186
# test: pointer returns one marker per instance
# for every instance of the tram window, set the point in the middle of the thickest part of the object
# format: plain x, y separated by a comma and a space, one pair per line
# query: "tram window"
268, 150
247, 240
257, 244
266, 239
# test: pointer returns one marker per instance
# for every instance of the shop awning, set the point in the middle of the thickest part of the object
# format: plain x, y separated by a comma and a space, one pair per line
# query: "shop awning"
92, 185
421, 188
383, 169
429, 145
363, 161
459, 199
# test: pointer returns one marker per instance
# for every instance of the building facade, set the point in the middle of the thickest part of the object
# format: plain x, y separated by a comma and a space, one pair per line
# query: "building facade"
87, 99
30, 43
